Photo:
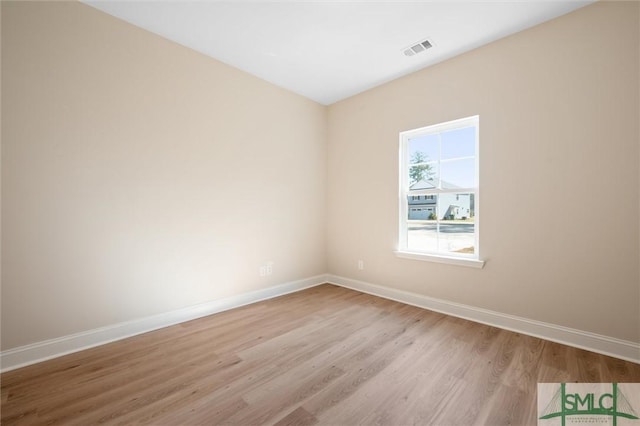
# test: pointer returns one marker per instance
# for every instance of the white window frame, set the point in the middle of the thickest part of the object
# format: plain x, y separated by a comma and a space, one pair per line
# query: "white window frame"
464, 259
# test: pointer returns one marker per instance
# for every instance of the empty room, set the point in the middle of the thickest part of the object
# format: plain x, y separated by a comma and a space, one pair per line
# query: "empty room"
320, 212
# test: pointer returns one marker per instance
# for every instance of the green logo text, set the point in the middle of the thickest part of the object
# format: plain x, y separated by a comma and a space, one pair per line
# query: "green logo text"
613, 404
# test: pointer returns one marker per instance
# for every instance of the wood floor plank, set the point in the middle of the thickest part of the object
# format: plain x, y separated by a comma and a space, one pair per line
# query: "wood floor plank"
298, 417
326, 355
409, 348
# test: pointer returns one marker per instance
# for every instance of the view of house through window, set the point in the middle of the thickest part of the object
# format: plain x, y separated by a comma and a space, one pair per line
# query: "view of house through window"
439, 189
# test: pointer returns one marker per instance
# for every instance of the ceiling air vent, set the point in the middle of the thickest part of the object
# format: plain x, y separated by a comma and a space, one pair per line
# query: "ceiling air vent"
417, 48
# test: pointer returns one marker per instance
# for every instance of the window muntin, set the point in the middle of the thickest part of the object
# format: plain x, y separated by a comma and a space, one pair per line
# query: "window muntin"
439, 165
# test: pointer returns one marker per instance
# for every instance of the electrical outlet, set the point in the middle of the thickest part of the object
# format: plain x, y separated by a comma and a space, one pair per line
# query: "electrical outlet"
269, 267
263, 271
361, 264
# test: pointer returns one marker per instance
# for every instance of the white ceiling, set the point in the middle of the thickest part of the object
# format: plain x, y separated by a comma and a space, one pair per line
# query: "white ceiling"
330, 50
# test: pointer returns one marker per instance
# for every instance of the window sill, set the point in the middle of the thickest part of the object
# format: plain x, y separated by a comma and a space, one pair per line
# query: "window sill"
461, 261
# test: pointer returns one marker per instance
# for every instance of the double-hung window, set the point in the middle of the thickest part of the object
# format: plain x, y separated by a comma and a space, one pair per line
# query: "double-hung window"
439, 197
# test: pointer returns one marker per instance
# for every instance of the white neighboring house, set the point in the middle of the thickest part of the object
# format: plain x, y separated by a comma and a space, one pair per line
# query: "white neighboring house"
450, 206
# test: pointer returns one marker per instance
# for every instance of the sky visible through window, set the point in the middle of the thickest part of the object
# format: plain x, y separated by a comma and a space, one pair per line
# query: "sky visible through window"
456, 150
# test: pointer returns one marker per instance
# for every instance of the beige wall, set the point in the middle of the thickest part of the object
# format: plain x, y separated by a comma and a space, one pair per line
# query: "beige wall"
139, 177
559, 139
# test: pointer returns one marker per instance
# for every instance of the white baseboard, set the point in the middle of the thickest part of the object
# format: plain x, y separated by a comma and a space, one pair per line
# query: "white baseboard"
48, 349
623, 349
41, 351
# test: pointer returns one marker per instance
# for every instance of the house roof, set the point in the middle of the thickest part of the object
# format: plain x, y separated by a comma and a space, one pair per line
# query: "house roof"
431, 184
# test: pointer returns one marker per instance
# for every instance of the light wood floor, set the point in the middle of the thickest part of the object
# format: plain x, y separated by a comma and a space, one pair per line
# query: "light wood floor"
326, 355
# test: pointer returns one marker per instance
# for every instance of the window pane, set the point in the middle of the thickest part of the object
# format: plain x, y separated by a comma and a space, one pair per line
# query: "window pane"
459, 143
452, 237
423, 176
422, 207
422, 235
457, 228
456, 206
458, 174
423, 157
457, 237
422, 224
423, 148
